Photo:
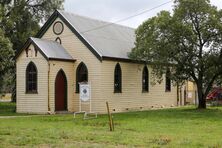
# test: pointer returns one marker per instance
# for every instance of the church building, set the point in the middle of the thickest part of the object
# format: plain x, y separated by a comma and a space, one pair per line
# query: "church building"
70, 49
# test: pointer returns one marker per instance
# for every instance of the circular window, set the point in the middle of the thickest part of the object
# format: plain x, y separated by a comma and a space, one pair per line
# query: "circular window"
58, 28
58, 40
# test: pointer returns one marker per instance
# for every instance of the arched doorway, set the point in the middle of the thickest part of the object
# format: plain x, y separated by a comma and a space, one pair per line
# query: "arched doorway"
61, 91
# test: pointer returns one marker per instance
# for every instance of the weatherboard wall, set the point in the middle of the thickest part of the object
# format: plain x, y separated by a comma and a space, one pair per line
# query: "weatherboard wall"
67, 67
31, 103
132, 96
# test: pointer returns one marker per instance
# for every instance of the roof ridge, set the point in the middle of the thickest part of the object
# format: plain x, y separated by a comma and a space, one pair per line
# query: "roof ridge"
94, 19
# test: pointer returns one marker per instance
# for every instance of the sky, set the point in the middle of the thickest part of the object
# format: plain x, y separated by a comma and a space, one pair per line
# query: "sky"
113, 10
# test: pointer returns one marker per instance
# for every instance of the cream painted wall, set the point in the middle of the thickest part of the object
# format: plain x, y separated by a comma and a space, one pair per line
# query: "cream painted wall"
67, 67
31, 103
132, 96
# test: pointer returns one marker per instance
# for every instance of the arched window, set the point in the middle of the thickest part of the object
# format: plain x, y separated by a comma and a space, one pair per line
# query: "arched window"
145, 80
168, 81
117, 79
31, 78
81, 75
58, 40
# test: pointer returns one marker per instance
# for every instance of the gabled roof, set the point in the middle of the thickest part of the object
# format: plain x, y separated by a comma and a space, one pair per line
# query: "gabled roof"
112, 41
51, 50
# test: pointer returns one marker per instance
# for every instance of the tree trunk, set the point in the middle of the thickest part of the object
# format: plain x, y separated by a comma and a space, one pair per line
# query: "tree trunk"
201, 98
202, 102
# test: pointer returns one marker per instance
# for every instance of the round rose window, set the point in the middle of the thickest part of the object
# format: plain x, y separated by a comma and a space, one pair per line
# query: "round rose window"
58, 28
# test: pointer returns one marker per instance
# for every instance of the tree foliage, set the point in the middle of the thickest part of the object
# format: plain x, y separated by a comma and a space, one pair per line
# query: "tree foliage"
6, 57
20, 19
189, 41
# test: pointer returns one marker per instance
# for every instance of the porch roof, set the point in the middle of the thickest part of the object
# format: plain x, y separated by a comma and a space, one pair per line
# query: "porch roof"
51, 50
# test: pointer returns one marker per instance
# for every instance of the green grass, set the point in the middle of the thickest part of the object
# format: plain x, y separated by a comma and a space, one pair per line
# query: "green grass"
7, 109
182, 127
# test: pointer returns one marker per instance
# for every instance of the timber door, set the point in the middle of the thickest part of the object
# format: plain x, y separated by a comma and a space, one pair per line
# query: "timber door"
60, 92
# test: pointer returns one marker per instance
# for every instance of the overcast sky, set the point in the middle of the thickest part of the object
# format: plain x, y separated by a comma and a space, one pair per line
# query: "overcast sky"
113, 10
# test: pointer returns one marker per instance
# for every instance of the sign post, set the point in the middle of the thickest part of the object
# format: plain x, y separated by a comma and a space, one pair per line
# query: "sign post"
85, 96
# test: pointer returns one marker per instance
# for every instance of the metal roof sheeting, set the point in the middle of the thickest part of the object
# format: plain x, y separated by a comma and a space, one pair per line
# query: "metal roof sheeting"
110, 41
52, 49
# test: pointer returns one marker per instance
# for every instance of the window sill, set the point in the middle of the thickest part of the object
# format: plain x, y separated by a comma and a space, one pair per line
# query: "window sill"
145, 91
31, 92
117, 92
167, 91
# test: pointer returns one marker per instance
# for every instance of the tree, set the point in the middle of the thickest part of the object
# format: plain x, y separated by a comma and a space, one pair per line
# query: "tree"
6, 57
189, 42
20, 19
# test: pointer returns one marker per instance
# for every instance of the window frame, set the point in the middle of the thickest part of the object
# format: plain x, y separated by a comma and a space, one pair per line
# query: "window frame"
54, 29
118, 73
78, 75
58, 40
27, 81
145, 75
167, 81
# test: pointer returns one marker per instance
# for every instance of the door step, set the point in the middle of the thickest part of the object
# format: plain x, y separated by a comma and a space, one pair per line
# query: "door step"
63, 112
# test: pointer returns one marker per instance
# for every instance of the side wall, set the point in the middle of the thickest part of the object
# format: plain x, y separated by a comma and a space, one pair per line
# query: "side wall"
132, 96
32, 103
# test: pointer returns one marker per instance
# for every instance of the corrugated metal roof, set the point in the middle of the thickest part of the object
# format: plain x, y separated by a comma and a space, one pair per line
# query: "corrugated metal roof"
111, 41
52, 49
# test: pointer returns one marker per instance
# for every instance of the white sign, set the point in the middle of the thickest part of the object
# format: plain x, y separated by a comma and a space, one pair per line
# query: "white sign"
84, 92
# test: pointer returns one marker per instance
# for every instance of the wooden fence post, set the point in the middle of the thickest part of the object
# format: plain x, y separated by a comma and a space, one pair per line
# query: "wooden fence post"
110, 117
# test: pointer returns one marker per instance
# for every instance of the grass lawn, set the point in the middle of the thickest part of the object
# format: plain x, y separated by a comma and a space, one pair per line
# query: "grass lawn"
7, 109
182, 127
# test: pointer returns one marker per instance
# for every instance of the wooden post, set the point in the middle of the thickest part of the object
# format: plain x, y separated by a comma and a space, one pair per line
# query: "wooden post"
110, 117
178, 94
112, 123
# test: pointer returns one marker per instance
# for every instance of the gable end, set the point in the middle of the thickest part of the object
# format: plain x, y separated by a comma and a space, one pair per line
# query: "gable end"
53, 18
26, 45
